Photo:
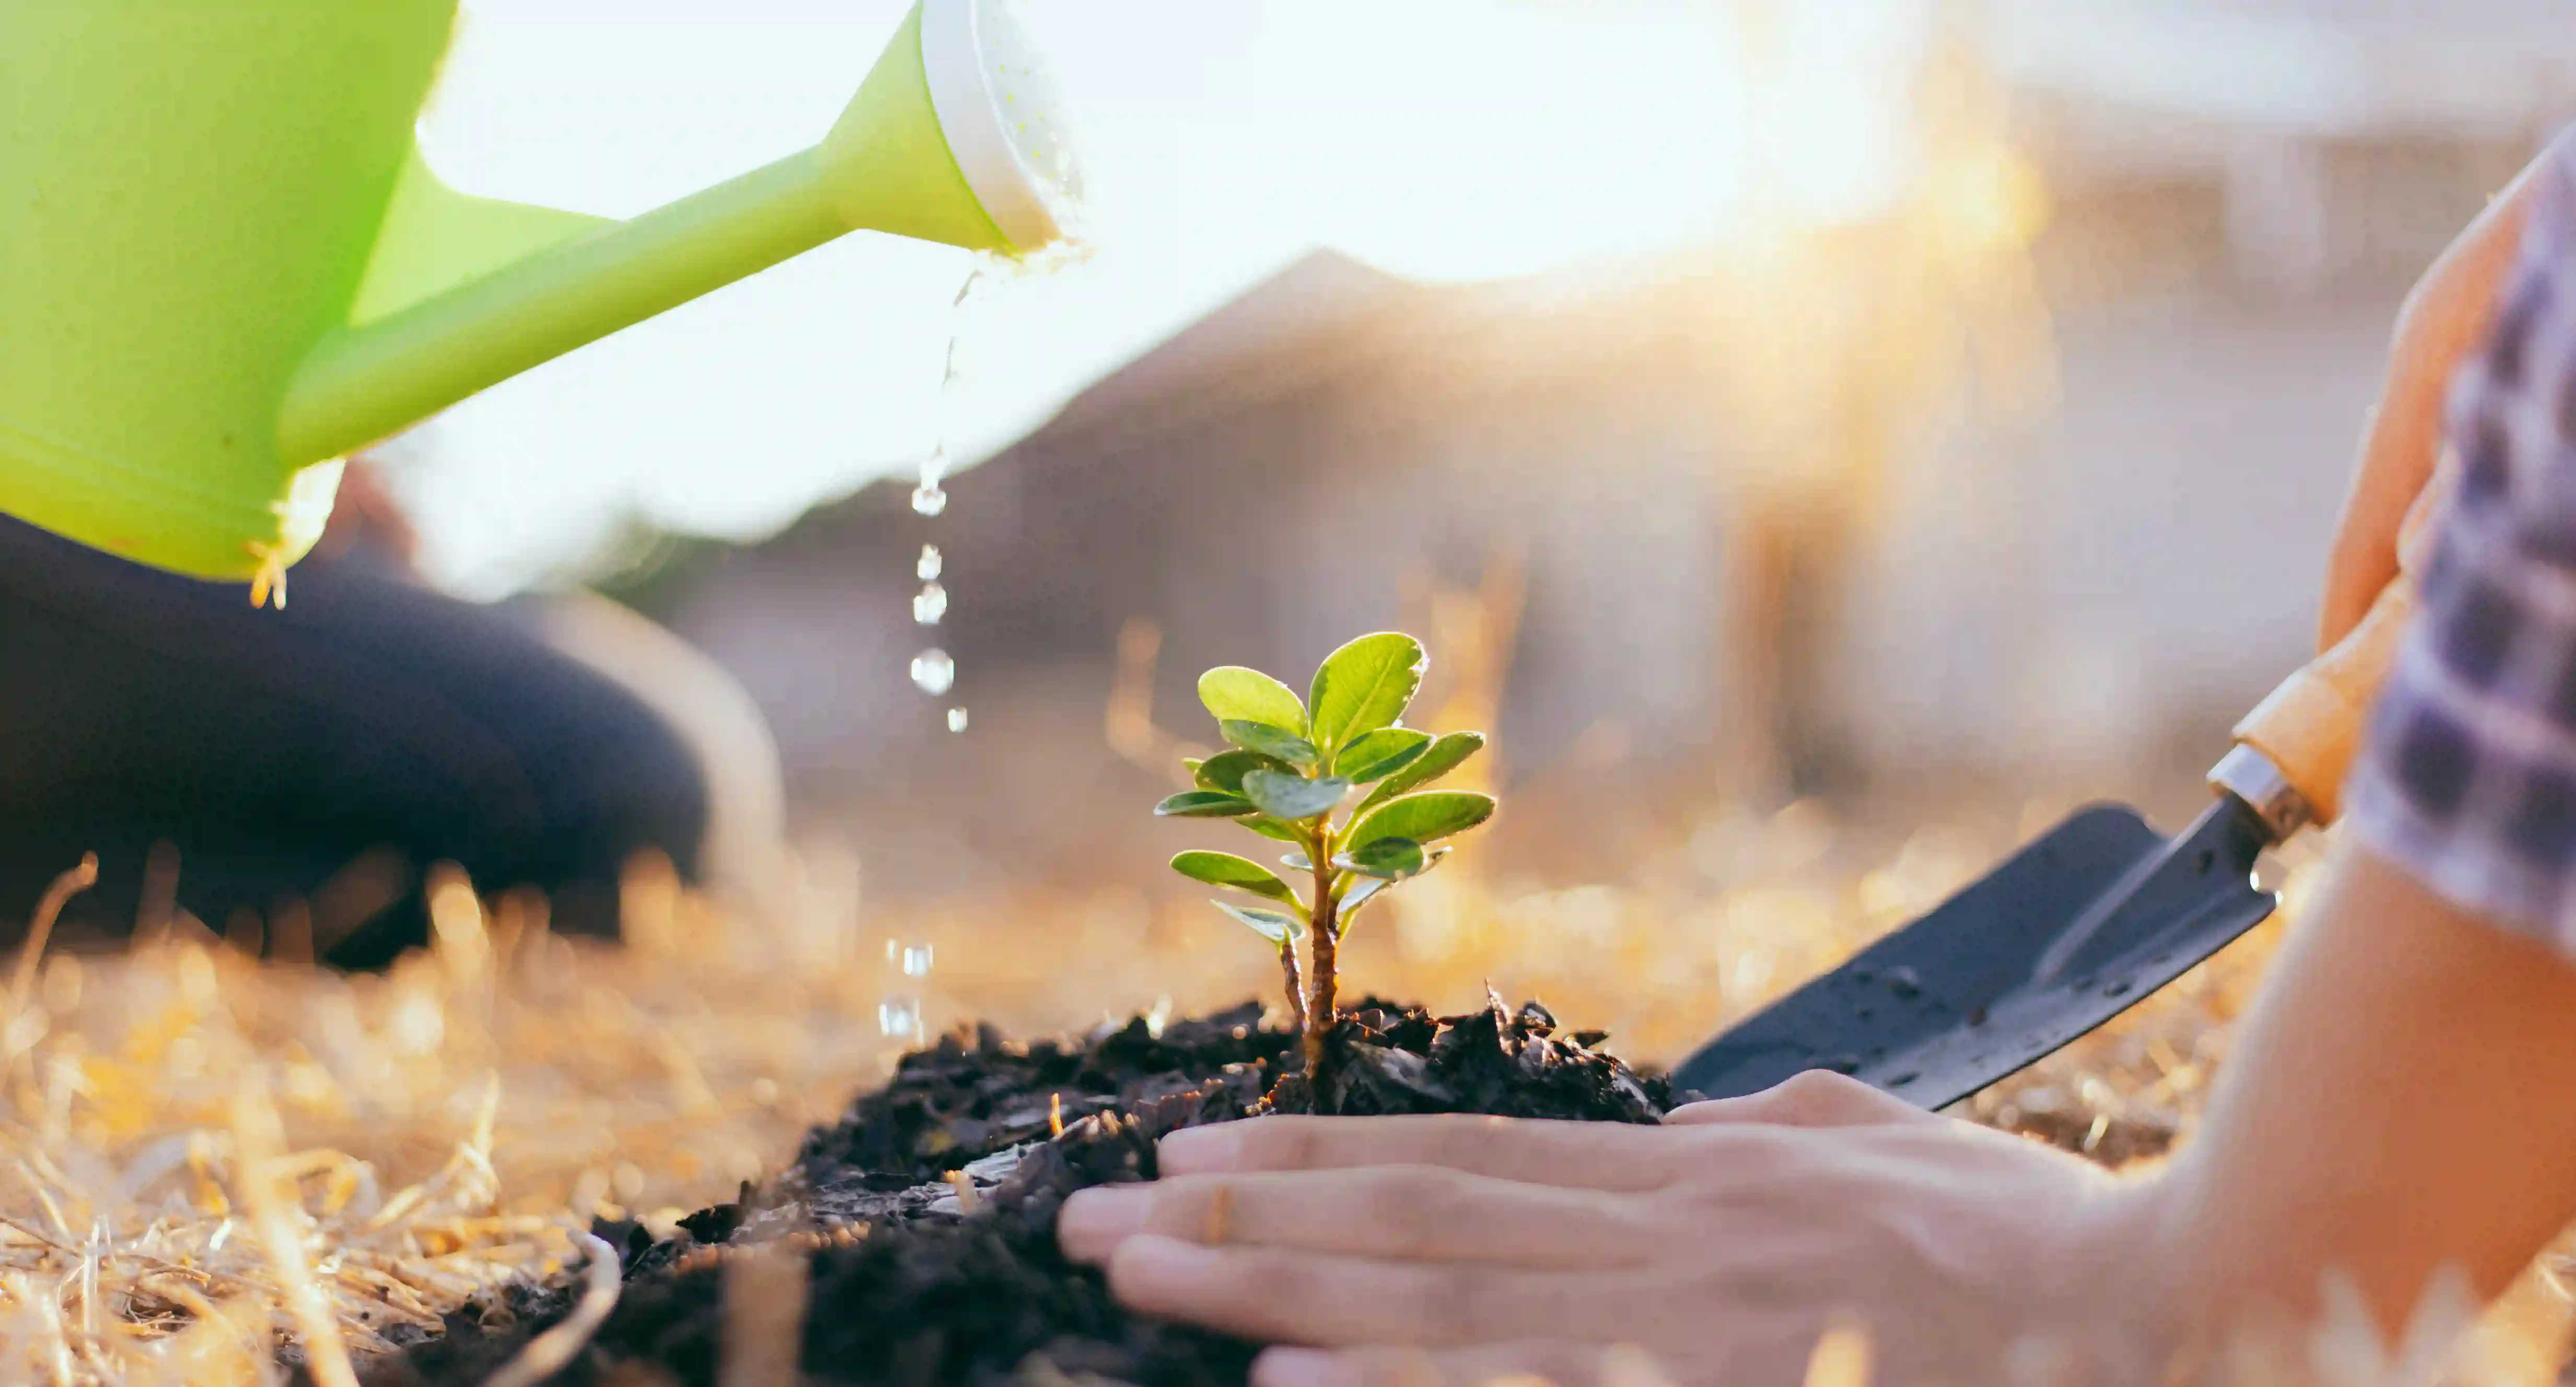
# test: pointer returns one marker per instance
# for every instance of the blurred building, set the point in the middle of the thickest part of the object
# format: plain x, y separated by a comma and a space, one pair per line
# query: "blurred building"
2329, 137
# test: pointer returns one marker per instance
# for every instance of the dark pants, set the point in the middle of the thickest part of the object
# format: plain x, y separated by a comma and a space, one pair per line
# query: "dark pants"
272, 749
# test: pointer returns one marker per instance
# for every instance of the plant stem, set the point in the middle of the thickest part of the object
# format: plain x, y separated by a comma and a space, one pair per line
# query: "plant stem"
1296, 985
1320, 1009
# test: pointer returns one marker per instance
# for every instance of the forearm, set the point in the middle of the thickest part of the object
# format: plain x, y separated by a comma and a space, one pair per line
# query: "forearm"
2402, 1098
2444, 318
2450, 308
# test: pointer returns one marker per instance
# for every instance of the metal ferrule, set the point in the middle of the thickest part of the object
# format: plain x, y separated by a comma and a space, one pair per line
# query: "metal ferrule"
2255, 782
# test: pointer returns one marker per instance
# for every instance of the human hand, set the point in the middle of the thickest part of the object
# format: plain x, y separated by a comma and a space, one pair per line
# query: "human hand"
2446, 316
1454, 1250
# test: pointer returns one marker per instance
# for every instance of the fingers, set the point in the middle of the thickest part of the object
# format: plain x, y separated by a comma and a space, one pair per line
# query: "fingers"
1555, 1362
1816, 1098
1282, 1296
1575, 1155
2364, 557
1406, 1213
2386, 526
2415, 534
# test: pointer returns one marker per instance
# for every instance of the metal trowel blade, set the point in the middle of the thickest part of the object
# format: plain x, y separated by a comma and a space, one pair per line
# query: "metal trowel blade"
2075, 928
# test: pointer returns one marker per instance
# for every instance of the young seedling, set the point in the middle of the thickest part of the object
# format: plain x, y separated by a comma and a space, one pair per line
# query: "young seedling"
1291, 766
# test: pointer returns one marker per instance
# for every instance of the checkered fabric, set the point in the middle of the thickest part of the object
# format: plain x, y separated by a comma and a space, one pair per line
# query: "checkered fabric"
2467, 775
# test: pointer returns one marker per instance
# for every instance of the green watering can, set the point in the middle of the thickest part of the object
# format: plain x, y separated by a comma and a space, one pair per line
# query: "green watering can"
224, 266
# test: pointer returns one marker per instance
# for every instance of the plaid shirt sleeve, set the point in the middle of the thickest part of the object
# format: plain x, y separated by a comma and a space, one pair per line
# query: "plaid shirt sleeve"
2467, 775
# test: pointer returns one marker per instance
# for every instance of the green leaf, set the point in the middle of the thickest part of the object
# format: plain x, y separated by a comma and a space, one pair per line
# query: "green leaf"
1424, 817
1226, 869
1236, 694
1277, 926
1444, 755
1297, 861
1269, 827
1203, 804
1286, 795
1270, 741
1362, 890
1391, 858
1192, 764
1373, 755
1224, 771
1364, 686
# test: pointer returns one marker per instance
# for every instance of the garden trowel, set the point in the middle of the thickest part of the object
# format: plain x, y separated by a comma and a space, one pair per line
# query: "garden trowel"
2095, 914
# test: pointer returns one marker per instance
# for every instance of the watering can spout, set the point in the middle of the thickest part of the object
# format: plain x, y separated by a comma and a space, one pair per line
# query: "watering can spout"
465, 292
179, 388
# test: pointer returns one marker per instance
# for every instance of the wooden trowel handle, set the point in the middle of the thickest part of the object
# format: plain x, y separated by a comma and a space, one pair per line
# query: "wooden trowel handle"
2310, 726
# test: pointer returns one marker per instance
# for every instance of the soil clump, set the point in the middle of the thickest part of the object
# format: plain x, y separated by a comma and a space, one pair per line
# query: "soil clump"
927, 1213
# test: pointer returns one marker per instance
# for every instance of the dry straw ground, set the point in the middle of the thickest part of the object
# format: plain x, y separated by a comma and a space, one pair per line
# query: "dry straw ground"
204, 1156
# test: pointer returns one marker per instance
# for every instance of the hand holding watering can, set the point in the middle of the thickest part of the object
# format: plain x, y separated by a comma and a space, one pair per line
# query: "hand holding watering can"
224, 265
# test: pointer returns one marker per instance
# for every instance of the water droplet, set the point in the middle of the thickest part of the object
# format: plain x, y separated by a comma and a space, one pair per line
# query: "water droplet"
928, 567
899, 1017
916, 960
930, 604
956, 719
928, 499
933, 672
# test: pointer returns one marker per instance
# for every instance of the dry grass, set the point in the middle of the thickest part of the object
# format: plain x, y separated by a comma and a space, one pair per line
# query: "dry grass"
203, 1156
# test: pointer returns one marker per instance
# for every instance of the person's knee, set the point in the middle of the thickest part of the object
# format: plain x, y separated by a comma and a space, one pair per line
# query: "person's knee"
715, 741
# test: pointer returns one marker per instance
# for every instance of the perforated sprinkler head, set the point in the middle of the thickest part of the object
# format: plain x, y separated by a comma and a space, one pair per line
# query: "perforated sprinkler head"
1006, 126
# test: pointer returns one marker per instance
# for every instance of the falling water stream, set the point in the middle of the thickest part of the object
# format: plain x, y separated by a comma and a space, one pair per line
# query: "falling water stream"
899, 1015
934, 670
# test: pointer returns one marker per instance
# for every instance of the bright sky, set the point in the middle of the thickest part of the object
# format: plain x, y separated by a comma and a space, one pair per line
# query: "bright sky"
1446, 139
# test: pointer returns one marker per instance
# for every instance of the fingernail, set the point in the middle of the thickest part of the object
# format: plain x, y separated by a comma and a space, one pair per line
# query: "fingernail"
1300, 1367
1094, 1221
1198, 1148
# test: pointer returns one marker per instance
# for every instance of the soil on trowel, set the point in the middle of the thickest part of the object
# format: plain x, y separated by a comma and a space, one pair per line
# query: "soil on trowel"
927, 1214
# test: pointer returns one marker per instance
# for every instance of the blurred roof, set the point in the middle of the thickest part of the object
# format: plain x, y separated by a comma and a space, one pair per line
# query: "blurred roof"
1313, 303
1328, 315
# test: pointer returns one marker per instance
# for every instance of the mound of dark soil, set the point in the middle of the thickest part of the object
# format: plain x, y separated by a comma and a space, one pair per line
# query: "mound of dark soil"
928, 1212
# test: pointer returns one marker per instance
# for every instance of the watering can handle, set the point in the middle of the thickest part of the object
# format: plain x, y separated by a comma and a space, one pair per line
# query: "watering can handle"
2309, 728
